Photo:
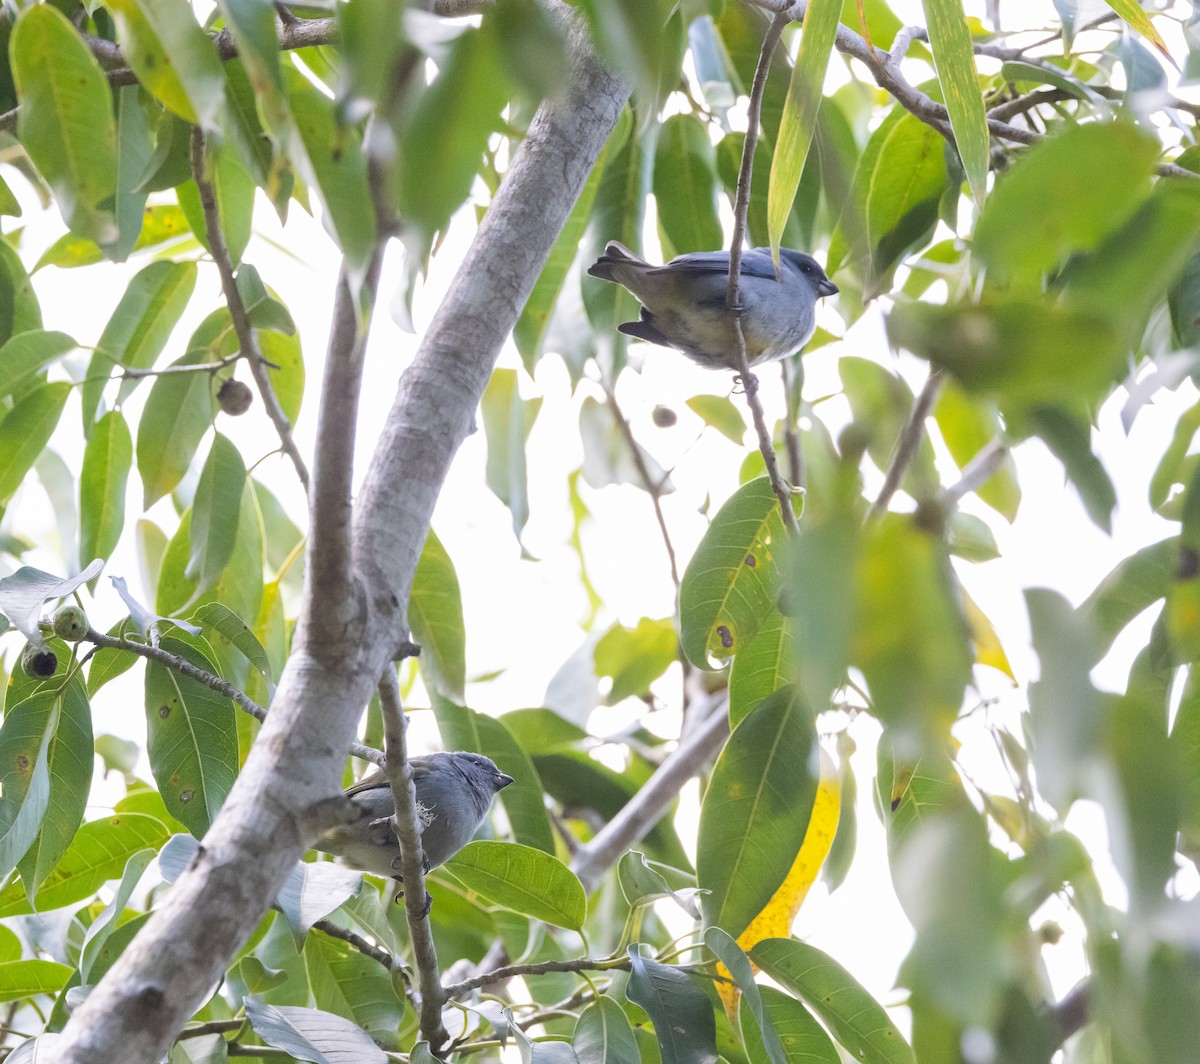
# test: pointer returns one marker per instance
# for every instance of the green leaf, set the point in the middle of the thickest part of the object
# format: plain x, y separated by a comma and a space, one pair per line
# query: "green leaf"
28, 730
65, 121
602, 1033
893, 206
234, 191
465, 729
69, 759
25, 355
800, 113
25, 431
730, 585
721, 413
220, 618
435, 614
1132, 12
1020, 351
685, 178
133, 154
968, 424
913, 642
174, 59
215, 509
25, 979
97, 854
331, 161
139, 329
507, 422
954, 60
440, 151
192, 738
1049, 204
1135, 584
523, 880
310, 1034
730, 954
107, 459
346, 982
1070, 441
769, 662
803, 1039
681, 1014
178, 412
635, 657
101, 929
855, 1018
756, 810
162, 223
251, 23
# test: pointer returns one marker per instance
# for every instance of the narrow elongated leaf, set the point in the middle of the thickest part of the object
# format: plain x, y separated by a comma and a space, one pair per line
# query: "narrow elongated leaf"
800, 113
106, 923
435, 614
682, 1017
312, 1035
756, 810
24, 979
1133, 13
769, 662
346, 982
220, 618
215, 509
685, 180
65, 121
98, 853
523, 880
173, 57
192, 738
69, 759
178, 412
25, 782
234, 190
602, 1033
507, 422
730, 585
107, 459
635, 657
27, 354
734, 961
856, 1019
954, 60
25, 431
803, 1039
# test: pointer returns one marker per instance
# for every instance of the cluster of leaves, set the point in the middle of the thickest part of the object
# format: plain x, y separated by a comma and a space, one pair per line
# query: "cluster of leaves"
1074, 263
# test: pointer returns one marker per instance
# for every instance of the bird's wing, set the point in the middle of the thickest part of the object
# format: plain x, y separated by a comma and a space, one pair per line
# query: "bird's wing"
368, 783
755, 263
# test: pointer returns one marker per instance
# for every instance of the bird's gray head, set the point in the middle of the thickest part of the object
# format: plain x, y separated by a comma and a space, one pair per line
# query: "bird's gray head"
807, 267
481, 772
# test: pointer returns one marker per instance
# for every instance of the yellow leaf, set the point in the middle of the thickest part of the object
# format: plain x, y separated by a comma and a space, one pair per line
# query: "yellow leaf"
988, 650
775, 920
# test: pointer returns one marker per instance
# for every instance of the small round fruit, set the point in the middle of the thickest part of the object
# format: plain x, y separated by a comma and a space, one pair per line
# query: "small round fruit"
235, 397
70, 623
663, 416
38, 662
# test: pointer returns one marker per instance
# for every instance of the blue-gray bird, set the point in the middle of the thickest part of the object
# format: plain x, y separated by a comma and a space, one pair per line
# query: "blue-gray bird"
683, 302
454, 793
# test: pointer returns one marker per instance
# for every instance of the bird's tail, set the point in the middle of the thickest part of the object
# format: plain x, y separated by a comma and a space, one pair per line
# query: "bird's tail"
616, 257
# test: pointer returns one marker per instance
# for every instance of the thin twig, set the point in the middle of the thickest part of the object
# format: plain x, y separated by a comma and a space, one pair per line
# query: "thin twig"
908, 443
978, 471
212, 1027
733, 295
406, 824
791, 430
379, 955
512, 971
215, 683
653, 487
247, 341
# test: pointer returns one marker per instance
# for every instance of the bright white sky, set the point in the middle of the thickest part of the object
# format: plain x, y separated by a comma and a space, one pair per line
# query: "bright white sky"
523, 616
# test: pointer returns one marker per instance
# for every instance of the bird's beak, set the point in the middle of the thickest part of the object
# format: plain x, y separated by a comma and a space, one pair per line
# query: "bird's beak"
503, 781
827, 288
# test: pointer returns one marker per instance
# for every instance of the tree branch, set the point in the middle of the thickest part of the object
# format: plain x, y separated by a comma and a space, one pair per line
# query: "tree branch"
215, 683
406, 824
134, 1012
247, 341
908, 443
978, 471
512, 971
645, 809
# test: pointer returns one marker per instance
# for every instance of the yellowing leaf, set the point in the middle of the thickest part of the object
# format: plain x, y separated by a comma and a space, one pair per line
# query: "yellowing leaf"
775, 920
988, 649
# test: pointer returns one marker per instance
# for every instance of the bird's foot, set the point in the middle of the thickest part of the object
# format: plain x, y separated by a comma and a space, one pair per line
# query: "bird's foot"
399, 900
746, 383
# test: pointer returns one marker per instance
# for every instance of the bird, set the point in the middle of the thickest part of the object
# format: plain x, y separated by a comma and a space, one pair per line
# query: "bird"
454, 793
683, 302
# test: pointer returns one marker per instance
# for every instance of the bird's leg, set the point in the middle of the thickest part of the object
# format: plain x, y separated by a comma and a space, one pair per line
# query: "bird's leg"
748, 383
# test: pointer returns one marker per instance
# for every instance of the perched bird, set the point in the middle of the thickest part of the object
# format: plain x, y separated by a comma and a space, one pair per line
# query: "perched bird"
454, 793
683, 302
